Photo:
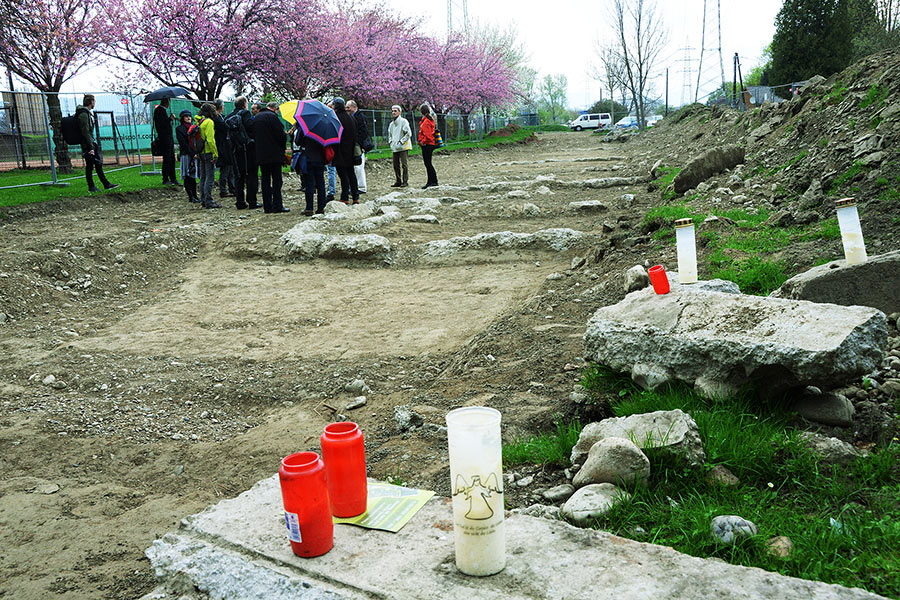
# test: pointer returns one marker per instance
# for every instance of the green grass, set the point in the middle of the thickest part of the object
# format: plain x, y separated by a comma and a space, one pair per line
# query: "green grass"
783, 488
836, 95
129, 180
545, 448
849, 175
667, 176
875, 96
486, 142
753, 275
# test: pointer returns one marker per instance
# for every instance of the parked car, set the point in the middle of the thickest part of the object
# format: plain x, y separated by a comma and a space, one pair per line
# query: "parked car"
629, 122
591, 121
651, 121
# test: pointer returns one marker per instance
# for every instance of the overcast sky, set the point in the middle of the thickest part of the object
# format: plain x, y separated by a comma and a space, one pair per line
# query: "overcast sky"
562, 38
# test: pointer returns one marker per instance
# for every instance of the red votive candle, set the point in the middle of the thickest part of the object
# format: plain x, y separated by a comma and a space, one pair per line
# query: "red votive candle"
658, 279
306, 515
345, 468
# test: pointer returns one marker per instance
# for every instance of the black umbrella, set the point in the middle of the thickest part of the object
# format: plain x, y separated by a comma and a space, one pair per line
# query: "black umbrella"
166, 92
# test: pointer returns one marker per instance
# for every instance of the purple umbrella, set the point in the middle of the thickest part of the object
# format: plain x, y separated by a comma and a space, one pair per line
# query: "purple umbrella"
318, 122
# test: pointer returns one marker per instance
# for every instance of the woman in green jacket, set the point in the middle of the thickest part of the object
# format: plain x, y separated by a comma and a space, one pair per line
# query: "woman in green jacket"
209, 156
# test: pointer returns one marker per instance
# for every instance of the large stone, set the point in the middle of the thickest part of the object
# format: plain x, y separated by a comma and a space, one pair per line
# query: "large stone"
367, 246
726, 528
728, 340
614, 460
239, 549
873, 283
831, 451
557, 240
592, 501
711, 162
671, 430
828, 408
636, 278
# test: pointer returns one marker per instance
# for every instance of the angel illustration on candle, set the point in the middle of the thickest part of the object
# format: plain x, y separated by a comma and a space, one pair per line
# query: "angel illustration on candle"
477, 493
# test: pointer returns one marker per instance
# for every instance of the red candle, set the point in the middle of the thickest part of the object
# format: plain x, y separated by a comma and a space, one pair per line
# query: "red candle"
305, 494
345, 468
659, 279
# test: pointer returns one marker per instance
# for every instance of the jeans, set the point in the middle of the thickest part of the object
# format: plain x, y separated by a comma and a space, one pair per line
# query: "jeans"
401, 166
94, 162
271, 187
207, 177
427, 151
315, 184
331, 179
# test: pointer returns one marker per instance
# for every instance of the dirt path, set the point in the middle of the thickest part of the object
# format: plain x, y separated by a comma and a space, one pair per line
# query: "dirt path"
188, 356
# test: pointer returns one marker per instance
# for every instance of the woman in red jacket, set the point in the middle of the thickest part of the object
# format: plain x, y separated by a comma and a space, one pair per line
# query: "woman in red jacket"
427, 143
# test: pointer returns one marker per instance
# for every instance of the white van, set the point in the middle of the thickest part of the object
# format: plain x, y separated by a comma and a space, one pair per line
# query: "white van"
591, 121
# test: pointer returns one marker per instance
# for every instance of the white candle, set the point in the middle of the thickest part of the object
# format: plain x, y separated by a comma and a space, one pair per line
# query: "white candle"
476, 477
851, 232
686, 246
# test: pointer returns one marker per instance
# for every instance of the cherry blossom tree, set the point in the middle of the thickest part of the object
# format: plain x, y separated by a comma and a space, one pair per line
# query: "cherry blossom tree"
201, 45
46, 43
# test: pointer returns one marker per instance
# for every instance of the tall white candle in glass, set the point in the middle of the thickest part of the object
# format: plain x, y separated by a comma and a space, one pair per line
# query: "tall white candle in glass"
686, 245
851, 232
476, 477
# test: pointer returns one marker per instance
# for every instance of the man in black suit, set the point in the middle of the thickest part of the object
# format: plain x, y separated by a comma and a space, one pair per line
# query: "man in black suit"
343, 153
162, 121
363, 139
270, 141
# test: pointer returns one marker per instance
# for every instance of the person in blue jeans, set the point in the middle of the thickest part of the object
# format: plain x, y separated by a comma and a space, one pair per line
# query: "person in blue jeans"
332, 177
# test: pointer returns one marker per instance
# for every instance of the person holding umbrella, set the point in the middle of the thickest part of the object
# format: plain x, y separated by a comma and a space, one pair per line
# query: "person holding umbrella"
343, 155
322, 132
165, 140
270, 140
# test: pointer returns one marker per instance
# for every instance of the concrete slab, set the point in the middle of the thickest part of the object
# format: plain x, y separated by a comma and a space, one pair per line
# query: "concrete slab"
238, 549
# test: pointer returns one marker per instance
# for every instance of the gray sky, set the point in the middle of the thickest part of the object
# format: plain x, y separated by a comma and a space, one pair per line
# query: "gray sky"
561, 38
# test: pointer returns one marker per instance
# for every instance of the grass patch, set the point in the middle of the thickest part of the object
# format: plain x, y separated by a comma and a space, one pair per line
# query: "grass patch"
486, 142
837, 94
753, 275
844, 523
665, 179
545, 448
852, 172
129, 180
875, 96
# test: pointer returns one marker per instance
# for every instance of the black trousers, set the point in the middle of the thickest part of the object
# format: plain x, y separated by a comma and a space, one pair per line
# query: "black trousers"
427, 151
271, 187
315, 184
246, 171
94, 162
168, 162
348, 182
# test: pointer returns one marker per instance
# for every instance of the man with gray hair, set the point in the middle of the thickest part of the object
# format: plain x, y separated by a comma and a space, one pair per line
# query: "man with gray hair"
400, 136
364, 142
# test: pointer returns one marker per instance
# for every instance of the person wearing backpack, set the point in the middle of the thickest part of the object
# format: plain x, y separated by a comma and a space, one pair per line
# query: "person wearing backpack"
225, 162
246, 171
208, 156
187, 154
90, 149
162, 121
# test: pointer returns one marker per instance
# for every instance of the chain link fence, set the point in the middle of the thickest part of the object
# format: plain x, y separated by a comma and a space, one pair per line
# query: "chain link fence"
29, 124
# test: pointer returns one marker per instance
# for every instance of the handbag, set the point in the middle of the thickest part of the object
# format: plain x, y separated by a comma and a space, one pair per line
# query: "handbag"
156, 148
357, 155
367, 144
407, 145
438, 138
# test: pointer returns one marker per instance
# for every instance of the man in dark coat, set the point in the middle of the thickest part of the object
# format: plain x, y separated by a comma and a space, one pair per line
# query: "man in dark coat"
246, 171
270, 141
90, 149
363, 139
162, 122
343, 153
226, 175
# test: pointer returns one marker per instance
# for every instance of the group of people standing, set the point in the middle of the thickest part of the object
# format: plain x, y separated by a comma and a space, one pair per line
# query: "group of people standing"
248, 147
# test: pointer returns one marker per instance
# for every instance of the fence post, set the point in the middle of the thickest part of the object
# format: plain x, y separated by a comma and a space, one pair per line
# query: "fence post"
46, 108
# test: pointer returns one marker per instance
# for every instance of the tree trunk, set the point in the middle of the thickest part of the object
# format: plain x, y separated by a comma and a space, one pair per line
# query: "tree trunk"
442, 125
63, 162
465, 121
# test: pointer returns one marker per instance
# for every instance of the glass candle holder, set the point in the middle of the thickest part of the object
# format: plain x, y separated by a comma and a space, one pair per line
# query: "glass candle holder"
476, 477
851, 232
345, 468
686, 245
306, 515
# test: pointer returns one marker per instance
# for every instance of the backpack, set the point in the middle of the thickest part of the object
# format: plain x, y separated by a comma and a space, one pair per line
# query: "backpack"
71, 132
237, 134
195, 140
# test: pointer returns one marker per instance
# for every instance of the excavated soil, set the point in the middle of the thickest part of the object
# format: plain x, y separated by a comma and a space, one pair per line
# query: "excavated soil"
188, 355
